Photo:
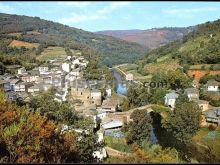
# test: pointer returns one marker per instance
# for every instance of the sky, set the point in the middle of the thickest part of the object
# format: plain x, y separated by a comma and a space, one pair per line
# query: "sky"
106, 15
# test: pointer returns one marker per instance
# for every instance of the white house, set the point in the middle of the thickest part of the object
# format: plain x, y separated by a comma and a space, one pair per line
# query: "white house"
43, 69
108, 92
34, 89
29, 78
60, 96
22, 86
192, 93
212, 86
69, 57
76, 61
170, 99
22, 71
66, 67
129, 77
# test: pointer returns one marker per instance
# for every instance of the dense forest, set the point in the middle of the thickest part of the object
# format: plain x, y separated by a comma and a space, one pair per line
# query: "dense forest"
112, 50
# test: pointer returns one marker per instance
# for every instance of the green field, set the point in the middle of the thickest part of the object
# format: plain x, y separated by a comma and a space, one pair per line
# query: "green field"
117, 144
132, 68
52, 53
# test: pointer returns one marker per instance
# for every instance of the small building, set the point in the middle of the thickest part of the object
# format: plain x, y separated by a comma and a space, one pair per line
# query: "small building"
170, 99
96, 97
43, 69
129, 77
203, 104
22, 71
22, 86
112, 124
60, 96
13, 82
110, 105
29, 78
66, 67
34, 89
192, 93
76, 61
213, 116
212, 85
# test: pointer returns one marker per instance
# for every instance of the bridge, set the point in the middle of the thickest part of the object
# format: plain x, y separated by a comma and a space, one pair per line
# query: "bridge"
121, 116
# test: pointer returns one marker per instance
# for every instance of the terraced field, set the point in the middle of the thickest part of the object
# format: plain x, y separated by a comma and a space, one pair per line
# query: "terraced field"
52, 53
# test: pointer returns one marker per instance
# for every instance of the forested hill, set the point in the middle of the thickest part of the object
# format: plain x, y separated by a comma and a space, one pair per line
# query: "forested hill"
33, 29
199, 46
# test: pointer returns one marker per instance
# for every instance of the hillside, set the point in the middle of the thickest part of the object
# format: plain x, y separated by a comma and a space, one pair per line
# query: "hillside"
151, 38
48, 33
198, 47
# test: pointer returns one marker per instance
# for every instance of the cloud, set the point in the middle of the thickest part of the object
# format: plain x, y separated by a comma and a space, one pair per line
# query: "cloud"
95, 15
113, 6
189, 11
76, 18
6, 8
77, 4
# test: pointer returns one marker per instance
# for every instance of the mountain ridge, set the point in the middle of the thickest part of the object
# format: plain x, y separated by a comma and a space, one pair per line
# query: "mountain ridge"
150, 38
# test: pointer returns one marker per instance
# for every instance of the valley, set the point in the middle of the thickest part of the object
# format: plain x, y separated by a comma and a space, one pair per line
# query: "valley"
114, 96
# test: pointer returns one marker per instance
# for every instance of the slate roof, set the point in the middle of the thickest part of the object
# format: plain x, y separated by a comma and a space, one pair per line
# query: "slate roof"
192, 91
172, 95
213, 83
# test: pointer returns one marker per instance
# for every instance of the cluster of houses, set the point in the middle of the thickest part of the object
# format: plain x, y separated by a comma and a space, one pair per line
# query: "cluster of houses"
67, 77
211, 114
57, 73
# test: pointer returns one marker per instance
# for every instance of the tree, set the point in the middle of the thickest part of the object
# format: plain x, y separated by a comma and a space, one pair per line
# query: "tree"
139, 129
86, 146
27, 137
184, 122
158, 96
177, 79
125, 105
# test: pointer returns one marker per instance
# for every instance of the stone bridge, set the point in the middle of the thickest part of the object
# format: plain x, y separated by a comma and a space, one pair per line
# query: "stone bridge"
125, 116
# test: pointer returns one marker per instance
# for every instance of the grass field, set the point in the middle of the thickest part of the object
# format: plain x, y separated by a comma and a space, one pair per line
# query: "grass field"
165, 66
132, 68
52, 53
16, 43
117, 144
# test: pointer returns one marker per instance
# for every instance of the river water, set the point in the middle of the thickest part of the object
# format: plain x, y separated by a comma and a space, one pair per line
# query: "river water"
121, 88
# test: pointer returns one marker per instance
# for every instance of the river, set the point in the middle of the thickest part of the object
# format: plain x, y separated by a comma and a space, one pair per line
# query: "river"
121, 86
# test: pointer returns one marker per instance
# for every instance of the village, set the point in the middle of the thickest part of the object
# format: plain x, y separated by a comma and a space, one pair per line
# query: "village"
66, 75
